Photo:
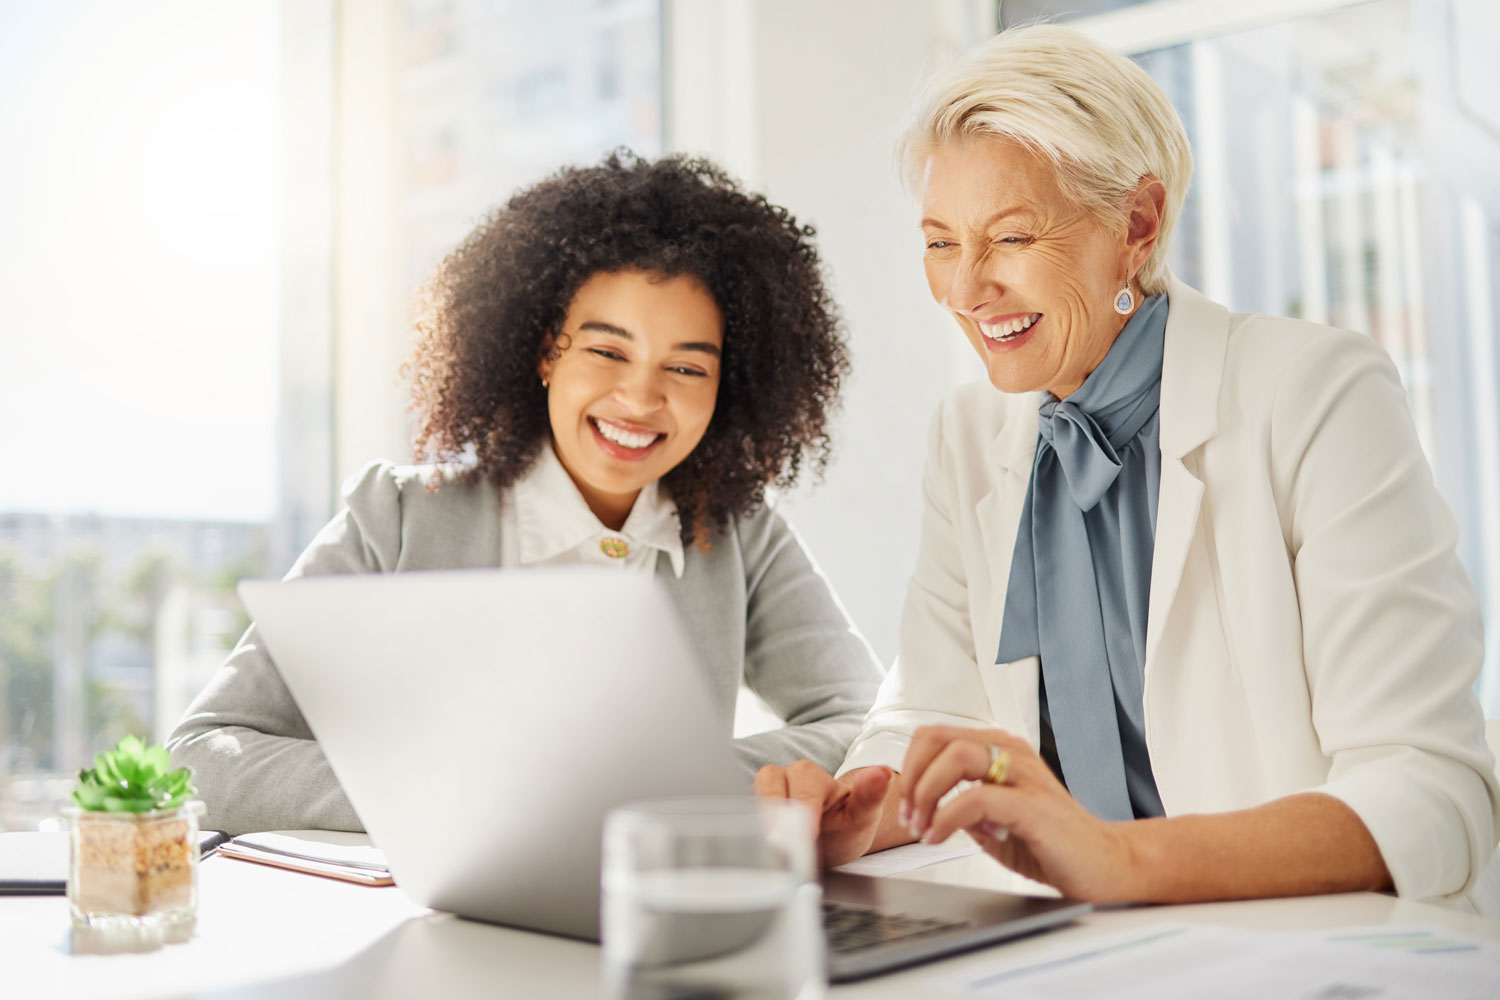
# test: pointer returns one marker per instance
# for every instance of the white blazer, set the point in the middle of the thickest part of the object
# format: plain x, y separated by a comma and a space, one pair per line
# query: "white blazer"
1309, 628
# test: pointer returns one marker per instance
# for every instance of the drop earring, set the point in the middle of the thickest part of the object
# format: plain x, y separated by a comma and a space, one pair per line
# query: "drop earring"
1125, 301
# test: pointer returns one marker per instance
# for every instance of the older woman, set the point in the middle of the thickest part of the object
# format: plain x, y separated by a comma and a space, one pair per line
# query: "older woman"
1186, 607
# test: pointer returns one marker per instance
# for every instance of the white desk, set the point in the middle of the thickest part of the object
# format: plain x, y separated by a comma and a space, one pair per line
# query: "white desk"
263, 932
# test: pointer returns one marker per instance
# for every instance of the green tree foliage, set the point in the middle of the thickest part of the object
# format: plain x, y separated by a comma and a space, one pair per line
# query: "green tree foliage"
60, 613
26, 630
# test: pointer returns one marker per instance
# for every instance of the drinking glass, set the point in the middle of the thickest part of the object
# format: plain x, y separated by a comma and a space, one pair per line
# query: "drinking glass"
712, 897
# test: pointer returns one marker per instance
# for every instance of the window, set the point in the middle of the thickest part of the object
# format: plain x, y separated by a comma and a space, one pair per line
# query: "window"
202, 333
1345, 172
137, 368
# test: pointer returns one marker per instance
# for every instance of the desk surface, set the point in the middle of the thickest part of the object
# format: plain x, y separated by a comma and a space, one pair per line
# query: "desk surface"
265, 932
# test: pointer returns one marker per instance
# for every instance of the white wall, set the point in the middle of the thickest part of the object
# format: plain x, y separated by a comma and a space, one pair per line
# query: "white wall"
803, 101
800, 100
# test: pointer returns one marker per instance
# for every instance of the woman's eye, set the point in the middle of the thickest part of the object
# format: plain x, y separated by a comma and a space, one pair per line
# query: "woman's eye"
938, 244
689, 371
604, 352
1014, 240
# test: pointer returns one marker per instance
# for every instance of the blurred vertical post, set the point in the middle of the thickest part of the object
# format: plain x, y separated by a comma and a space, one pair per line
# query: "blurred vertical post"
69, 661
305, 473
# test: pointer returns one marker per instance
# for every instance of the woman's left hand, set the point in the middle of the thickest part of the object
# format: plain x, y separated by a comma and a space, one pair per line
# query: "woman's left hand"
1029, 823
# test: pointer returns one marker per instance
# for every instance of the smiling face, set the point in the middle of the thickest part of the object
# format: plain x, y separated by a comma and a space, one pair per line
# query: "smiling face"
633, 389
1030, 276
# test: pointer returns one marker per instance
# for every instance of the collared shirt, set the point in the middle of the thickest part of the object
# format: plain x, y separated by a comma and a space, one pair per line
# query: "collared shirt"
546, 522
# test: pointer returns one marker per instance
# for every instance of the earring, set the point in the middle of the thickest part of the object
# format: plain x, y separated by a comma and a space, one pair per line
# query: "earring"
545, 383
1125, 301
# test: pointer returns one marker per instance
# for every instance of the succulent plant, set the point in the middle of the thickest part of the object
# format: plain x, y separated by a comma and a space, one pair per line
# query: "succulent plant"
132, 778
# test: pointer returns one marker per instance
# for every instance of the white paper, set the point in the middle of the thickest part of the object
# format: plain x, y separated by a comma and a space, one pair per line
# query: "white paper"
339, 848
1169, 961
910, 857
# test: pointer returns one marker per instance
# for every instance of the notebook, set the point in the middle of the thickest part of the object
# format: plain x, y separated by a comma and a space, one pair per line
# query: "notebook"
483, 722
349, 857
35, 863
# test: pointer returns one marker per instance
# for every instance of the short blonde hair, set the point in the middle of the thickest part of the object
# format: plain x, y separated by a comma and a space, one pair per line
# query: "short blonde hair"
1098, 117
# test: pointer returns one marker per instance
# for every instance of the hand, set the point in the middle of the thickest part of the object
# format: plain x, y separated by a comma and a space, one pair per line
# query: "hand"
1030, 824
846, 812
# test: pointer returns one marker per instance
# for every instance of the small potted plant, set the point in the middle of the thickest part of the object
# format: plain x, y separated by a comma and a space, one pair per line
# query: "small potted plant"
134, 846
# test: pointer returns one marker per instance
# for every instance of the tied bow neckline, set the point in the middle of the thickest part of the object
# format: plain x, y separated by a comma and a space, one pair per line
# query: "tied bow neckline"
1088, 629
1090, 428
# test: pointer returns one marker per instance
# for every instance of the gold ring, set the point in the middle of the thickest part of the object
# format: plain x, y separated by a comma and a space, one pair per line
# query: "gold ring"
999, 766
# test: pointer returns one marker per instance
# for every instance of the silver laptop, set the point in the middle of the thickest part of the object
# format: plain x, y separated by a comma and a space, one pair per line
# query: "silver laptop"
482, 722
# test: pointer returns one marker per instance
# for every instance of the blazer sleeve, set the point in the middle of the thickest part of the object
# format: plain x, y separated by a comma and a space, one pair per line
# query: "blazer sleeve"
1391, 630
254, 760
803, 655
935, 679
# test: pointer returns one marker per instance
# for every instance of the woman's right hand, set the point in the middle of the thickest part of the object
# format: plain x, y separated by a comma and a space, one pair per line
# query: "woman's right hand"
846, 811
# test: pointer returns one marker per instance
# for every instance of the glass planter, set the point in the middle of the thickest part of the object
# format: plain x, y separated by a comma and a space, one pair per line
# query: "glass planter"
133, 877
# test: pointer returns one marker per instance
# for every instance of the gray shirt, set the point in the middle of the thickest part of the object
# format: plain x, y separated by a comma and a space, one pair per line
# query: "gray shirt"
756, 607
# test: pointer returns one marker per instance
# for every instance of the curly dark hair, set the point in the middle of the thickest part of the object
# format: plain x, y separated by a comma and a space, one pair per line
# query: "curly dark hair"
493, 302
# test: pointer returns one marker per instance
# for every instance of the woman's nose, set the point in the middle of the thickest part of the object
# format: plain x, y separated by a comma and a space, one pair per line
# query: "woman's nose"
640, 390
972, 288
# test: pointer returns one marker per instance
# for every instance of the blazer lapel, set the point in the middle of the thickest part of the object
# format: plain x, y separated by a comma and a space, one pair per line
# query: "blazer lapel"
999, 517
999, 511
1197, 337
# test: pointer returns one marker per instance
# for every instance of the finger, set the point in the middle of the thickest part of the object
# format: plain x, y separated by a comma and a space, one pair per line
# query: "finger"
810, 783
1027, 769
990, 836
869, 787
960, 760
1012, 853
815, 788
867, 794
770, 782
928, 741
1004, 806
999, 848
1026, 766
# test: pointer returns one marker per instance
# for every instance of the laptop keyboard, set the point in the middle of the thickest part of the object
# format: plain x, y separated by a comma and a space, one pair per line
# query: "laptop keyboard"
854, 928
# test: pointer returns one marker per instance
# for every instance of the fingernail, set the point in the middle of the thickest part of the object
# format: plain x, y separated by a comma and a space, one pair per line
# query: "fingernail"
903, 813
994, 830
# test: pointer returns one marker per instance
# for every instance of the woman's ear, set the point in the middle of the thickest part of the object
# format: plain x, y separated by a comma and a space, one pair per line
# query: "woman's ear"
551, 349
1143, 220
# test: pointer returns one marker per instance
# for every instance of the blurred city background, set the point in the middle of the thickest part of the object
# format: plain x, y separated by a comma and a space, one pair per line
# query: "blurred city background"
215, 219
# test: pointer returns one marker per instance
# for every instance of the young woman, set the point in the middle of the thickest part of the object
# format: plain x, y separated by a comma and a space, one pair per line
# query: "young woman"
611, 371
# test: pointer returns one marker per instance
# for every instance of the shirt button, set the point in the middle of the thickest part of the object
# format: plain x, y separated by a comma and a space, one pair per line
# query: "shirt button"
615, 548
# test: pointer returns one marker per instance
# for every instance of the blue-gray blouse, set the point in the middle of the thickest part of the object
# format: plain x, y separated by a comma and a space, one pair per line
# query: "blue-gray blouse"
1080, 577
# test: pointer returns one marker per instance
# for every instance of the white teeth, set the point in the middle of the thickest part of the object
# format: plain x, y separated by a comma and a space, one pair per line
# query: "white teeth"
1011, 327
621, 436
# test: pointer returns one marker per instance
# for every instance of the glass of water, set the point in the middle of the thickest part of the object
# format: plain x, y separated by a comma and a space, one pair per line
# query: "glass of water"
712, 898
